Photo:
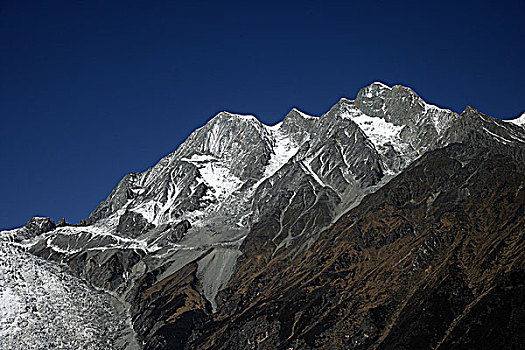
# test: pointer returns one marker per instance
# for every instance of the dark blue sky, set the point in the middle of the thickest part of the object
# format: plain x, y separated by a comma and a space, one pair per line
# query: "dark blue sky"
92, 90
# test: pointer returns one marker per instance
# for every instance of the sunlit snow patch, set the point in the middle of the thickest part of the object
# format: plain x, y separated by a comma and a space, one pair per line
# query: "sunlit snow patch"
379, 131
9, 310
215, 175
283, 150
43, 307
520, 121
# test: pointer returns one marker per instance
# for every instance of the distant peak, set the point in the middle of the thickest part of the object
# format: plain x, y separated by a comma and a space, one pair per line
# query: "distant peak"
342, 101
405, 89
380, 84
227, 114
300, 113
520, 121
230, 117
470, 110
373, 90
296, 117
345, 100
379, 88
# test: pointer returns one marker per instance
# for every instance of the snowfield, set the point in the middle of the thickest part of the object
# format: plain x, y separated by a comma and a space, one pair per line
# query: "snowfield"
43, 307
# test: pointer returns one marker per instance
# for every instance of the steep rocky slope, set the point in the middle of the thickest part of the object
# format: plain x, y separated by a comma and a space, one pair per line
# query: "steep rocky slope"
434, 259
343, 229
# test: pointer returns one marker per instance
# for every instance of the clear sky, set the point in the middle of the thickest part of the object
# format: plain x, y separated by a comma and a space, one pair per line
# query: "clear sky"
92, 90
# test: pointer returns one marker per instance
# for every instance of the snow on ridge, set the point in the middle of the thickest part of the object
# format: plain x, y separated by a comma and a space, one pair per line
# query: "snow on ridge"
283, 150
440, 117
250, 117
220, 178
433, 117
98, 236
520, 121
303, 114
274, 127
381, 84
199, 158
247, 117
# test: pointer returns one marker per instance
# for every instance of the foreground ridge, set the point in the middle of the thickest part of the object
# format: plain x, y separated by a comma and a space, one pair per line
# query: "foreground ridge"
385, 222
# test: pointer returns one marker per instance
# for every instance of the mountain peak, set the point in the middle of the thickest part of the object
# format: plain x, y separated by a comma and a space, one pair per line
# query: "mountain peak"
520, 121
300, 113
373, 91
469, 110
230, 115
380, 100
381, 85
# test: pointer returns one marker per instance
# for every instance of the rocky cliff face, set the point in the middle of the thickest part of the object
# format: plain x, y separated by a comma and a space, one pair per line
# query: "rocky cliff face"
384, 223
416, 265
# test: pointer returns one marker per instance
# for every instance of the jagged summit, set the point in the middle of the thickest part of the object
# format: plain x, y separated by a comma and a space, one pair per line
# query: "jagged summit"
230, 115
217, 170
392, 103
470, 110
519, 121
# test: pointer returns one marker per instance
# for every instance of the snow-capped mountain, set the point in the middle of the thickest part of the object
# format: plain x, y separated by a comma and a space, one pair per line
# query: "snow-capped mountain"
520, 121
169, 240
